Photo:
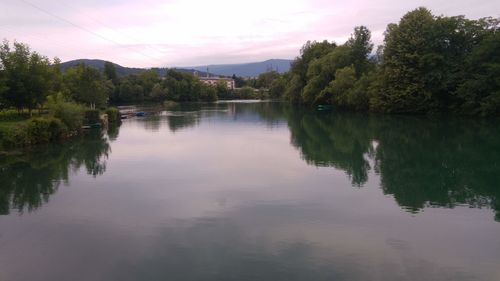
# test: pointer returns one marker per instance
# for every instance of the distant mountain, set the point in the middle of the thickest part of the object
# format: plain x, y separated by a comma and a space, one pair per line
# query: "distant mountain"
99, 64
247, 69
121, 70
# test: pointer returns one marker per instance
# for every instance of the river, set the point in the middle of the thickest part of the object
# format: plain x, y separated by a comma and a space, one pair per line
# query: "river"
257, 191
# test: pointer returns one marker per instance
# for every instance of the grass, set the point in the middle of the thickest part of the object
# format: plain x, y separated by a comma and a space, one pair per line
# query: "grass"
10, 119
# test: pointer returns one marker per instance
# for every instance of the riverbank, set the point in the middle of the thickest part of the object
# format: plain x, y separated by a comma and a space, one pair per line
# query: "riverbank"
18, 130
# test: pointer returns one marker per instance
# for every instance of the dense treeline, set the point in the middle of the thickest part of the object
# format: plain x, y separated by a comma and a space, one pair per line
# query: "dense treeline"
427, 64
31, 81
28, 79
65, 101
176, 86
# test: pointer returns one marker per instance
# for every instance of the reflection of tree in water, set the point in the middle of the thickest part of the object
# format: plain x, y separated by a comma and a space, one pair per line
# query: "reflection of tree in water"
446, 163
179, 122
338, 140
421, 162
113, 131
30, 179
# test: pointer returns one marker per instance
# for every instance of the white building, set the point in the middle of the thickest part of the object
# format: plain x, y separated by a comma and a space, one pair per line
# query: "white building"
213, 81
230, 84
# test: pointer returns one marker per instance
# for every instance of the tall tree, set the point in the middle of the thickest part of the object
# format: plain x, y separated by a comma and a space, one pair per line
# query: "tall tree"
87, 85
26, 76
110, 72
361, 47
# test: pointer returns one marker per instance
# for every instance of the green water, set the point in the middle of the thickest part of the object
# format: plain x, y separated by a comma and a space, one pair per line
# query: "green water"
257, 191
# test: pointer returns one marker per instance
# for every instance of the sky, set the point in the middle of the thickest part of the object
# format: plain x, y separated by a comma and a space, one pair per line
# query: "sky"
168, 33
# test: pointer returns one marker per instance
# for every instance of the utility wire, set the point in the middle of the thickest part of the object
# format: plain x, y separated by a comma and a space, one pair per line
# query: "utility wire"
82, 28
152, 46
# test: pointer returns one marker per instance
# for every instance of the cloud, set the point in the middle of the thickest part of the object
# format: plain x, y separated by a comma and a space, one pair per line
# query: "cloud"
191, 32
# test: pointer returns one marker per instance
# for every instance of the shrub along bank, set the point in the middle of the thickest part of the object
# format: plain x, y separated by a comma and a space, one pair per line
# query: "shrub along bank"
64, 121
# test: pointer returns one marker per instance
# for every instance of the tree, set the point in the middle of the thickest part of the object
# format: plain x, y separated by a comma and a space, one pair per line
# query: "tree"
87, 85
222, 91
337, 92
158, 93
423, 63
480, 91
407, 54
238, 81
110, 72
266, 79
321, 72
208, 92
300, 67
26, 77
361, 47
278, 87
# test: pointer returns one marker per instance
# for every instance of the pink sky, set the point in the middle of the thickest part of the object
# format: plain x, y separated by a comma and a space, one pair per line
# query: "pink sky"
188, 32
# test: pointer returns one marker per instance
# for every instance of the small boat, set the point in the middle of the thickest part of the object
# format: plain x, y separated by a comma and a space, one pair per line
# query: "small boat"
140, 114
123, 116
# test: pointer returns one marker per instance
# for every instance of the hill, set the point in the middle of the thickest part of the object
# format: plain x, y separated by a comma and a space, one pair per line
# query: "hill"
99, 64
247, 69
120, 70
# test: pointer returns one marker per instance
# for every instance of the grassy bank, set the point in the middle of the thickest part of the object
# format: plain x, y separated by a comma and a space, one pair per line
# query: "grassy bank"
19, 130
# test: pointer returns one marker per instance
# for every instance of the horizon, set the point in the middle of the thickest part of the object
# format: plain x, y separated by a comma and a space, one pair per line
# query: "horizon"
179, 67
219, 32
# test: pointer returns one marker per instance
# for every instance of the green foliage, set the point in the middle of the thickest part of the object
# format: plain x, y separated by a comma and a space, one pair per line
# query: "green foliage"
480, 91
71, 114
91, 116
246, 93
322, 71
427, 64
278, 88
110, 72
114, 116
87, 85
43, 130
238, 81
223, 92
184, 87
360, 47
25, 77
34, 131
266, 79
158, 93
208, 93
338, 91
423, 63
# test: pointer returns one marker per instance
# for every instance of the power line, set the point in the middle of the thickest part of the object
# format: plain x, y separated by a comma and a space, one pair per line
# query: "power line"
82, 28
152, 46
53, 42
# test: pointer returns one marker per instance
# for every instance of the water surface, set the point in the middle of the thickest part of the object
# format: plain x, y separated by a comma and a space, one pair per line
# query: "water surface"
257, 191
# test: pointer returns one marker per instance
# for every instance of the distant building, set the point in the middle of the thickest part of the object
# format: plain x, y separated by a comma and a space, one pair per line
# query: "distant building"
213, 81
230, 84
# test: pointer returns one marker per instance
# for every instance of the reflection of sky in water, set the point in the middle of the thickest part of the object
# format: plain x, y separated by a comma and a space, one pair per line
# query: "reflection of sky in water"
231, 199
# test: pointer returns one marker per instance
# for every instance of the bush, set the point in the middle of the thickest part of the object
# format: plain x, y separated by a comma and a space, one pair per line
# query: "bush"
91, 116
246, 93
43, 130
114, 116
34, 131
70, 114
13, 137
